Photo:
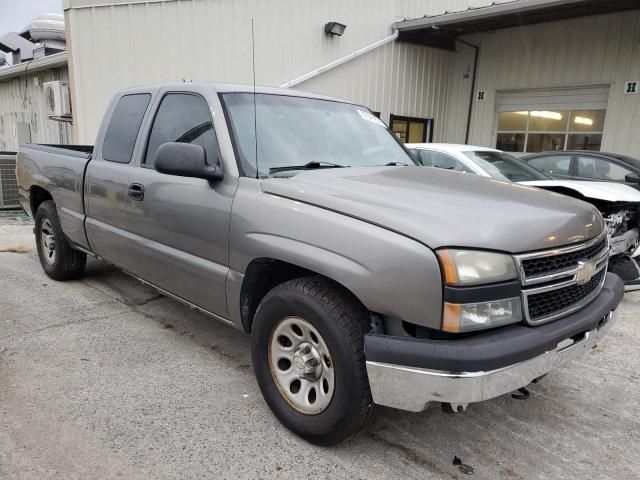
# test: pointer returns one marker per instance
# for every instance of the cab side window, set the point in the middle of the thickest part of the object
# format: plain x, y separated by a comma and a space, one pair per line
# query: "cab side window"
601, 169
182, 117
553, 164
430, 158
124, 125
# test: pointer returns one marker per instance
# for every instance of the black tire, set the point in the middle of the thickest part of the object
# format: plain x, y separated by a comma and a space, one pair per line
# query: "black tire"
68, 264
342, 322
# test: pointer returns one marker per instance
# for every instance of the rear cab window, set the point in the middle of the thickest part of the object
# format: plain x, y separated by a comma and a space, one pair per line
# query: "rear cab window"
122, 132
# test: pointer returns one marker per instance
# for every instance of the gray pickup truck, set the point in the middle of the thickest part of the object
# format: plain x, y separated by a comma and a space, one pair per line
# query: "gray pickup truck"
364, 280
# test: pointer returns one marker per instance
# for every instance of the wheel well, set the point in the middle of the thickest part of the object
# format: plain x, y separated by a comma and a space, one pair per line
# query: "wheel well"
261, 276
38, 195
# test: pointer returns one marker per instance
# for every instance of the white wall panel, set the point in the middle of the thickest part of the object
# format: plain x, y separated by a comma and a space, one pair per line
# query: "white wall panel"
398, 78
117, 44
22, 100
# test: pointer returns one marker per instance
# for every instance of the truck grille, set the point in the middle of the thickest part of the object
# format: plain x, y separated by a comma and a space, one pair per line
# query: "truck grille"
550, 279
542, 305
534, 267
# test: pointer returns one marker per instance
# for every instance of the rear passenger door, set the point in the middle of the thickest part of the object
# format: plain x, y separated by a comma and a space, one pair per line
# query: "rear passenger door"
179, 226
107, 178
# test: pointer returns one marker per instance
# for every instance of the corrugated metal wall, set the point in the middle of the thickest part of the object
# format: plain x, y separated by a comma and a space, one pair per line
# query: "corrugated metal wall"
22, 100
596, 50
399, 78
133, 43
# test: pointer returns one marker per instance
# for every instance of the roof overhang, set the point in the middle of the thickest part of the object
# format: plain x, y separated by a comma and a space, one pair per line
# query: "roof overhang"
51, 61
441, 30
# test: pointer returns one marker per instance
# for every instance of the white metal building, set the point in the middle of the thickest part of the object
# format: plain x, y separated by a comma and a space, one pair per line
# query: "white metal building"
540, 65
33, 67
23, 114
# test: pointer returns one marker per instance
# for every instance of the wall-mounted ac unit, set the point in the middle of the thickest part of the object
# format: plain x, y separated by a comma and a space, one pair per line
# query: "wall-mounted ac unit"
56, 95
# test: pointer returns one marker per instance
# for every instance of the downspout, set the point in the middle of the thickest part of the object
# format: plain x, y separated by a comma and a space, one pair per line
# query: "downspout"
340, 61
473, 85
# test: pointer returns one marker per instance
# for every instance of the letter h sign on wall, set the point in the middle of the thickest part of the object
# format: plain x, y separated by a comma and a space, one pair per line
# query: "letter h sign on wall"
632, 87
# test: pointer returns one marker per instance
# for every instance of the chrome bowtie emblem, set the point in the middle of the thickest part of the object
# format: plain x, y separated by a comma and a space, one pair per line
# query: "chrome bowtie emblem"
586, 271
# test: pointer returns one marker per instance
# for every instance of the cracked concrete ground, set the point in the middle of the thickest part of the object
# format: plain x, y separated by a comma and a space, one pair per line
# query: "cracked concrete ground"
104, 378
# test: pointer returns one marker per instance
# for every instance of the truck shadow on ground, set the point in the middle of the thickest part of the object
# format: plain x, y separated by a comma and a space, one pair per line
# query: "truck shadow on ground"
224, 341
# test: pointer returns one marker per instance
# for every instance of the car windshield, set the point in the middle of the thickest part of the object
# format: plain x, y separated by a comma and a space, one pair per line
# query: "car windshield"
503, 166
297, 133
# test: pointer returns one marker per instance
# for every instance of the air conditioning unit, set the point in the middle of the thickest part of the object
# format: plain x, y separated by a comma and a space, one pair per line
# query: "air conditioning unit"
56, 95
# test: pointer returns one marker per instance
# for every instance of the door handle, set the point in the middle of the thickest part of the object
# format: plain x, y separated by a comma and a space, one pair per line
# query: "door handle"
136, 192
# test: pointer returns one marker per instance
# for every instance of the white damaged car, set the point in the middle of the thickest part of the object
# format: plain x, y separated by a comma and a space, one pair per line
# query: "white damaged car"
618, 203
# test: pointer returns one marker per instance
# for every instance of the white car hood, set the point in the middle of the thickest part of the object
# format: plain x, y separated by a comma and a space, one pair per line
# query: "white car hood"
609, 191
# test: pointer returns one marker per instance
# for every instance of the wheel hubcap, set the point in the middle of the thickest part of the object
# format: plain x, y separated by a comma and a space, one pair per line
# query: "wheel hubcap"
307, 362
301, 365
47, 242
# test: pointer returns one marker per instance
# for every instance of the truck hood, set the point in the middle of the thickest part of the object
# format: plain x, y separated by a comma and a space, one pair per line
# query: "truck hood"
443, 208
608, 191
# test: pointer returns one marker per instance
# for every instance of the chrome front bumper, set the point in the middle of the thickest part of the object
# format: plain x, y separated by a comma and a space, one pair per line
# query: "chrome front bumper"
409, 388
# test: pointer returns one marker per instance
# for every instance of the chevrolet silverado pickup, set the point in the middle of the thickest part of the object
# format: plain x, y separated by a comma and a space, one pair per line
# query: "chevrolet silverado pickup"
363, 279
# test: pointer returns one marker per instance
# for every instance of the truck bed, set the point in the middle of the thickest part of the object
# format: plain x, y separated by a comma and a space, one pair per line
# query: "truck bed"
72, 150
58, 170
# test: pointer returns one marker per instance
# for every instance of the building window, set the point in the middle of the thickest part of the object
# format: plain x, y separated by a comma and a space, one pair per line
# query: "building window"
546, 130
412, 130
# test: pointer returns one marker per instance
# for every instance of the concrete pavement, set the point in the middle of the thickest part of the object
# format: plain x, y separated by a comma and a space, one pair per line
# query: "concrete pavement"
104, 378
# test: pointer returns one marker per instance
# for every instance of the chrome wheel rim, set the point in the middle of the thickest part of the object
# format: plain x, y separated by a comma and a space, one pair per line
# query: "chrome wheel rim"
301, 365
47, 242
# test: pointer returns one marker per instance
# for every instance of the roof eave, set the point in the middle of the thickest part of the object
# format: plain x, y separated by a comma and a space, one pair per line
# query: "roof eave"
480, 13
44, 63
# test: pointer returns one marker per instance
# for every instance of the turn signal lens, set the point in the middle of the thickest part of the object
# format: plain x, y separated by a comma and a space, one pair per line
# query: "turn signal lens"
466, 317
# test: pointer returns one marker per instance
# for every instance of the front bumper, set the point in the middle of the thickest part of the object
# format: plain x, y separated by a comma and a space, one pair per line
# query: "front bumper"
416, 373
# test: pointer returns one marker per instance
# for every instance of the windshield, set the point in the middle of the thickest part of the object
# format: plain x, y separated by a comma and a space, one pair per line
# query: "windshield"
503, 166
299, 132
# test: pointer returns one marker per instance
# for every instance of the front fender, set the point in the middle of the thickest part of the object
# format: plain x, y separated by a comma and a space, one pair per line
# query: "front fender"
389, 273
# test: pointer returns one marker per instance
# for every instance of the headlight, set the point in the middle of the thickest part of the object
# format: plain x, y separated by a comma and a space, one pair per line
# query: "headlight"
465, 317
463, 270
472, 267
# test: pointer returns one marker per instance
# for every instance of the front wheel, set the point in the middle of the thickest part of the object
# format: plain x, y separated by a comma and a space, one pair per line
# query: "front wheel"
58, 259
308, 357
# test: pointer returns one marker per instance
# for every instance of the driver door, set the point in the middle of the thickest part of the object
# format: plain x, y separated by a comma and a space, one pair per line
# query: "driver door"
180, 225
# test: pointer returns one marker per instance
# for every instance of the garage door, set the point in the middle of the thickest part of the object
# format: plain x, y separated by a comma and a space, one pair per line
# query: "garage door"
551, 119
588, 98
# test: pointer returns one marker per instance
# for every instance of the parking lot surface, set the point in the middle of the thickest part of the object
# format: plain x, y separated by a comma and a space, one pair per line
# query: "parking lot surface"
105, 378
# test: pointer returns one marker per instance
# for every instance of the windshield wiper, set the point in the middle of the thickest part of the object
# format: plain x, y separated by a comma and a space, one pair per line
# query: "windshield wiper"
306, 166
396, 164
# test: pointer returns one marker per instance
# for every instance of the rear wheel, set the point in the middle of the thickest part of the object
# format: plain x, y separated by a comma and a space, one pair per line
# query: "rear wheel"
308, 357
58, 259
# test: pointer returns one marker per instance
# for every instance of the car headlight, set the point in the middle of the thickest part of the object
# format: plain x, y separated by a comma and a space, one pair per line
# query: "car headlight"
474, 267
462, 271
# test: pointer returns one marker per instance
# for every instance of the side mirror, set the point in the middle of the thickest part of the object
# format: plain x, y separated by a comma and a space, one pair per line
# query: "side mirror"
632, 178
186, 160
